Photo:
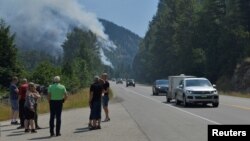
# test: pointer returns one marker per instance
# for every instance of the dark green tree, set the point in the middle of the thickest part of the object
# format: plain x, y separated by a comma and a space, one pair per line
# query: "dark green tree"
44, 73
8, 55
81, 59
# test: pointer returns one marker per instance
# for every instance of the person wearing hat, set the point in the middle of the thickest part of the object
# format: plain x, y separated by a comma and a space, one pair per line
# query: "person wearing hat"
95, 97
57, 94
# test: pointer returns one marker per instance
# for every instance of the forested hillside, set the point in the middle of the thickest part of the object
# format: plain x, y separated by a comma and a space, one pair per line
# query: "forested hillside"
127, 44
76, 66
195, 37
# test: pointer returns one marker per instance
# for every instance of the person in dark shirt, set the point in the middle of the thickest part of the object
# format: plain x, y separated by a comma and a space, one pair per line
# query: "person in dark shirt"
95, 95
105, 97
14, 100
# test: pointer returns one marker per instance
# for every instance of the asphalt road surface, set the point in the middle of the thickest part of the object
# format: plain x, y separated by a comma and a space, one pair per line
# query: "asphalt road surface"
161, 121
136, 115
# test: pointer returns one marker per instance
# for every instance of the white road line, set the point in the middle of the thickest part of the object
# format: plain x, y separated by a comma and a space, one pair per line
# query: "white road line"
158, 101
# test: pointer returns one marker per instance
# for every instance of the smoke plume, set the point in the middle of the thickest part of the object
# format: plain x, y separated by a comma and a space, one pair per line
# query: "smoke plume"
44, 24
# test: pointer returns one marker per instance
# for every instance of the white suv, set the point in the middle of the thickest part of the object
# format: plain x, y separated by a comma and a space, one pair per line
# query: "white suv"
196, 90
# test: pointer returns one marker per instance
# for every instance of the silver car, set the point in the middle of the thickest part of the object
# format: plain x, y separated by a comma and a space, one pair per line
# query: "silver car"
196, 90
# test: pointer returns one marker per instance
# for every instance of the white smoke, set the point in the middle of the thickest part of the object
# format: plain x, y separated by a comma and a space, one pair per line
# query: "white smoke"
104, 59
45, 23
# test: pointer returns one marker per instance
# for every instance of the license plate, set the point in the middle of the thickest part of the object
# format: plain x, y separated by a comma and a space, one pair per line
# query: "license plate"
204, 96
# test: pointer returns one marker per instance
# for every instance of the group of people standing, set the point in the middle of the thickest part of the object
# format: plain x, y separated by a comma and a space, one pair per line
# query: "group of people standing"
98, 95
23, 101
24, 98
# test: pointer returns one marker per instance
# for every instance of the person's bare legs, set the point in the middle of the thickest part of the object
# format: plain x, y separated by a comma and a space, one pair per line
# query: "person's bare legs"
12, 115
32, 124
26, 124
94, 123
106, 111
90, 123
99, 123
15, 115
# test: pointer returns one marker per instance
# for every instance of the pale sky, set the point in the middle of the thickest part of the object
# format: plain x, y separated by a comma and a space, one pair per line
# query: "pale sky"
134, 15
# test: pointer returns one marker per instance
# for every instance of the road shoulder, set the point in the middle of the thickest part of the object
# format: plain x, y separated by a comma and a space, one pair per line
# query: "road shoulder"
74, 127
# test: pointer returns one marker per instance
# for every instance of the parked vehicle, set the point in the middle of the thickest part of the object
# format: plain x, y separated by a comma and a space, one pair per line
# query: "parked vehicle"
173, 83
196, 90
119, 81
130, 82
160, 86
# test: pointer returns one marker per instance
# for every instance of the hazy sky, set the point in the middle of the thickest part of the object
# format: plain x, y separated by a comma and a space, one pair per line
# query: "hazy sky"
131, 14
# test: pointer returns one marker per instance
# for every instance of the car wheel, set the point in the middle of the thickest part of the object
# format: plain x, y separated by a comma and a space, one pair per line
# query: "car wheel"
177, 102
204, 104
153, 91
215, 104
185, 103
168, 100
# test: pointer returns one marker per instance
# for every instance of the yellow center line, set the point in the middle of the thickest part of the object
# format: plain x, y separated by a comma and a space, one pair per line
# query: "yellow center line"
238, 106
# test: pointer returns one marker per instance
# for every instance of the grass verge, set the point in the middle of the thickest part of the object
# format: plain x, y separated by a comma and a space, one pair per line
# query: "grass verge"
236, 94
78, 100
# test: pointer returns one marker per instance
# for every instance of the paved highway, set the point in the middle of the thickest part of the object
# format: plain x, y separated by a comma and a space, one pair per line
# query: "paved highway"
136, 115
161, 121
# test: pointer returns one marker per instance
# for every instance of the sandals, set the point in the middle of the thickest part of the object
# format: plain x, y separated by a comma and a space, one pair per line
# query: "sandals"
106, 120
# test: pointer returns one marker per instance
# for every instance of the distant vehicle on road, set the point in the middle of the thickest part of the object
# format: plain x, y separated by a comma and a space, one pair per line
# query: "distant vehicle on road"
160, 86
196, 90
130, 82
119, 81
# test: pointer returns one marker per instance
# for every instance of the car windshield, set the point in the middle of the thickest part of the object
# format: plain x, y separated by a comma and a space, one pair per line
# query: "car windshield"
198, 82
130, 80
162, 82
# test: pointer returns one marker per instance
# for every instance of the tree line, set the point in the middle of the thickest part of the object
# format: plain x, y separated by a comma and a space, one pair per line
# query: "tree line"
196, 37
77, 65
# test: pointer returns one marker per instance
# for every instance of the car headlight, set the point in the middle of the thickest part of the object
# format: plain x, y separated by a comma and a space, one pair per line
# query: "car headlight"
215, 92
158, 87
189, 92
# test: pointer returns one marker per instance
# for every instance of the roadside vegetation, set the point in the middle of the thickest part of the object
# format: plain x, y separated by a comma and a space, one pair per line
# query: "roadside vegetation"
77, 100
236, 94
76, 66
203, 38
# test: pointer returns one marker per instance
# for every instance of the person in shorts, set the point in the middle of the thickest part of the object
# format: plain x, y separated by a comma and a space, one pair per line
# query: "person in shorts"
14, 100
105, 97
29, 108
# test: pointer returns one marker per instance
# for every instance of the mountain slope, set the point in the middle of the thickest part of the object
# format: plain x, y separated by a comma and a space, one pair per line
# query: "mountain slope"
127, 44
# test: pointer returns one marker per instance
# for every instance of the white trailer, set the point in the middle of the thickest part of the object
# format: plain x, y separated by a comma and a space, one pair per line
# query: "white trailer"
174, 81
